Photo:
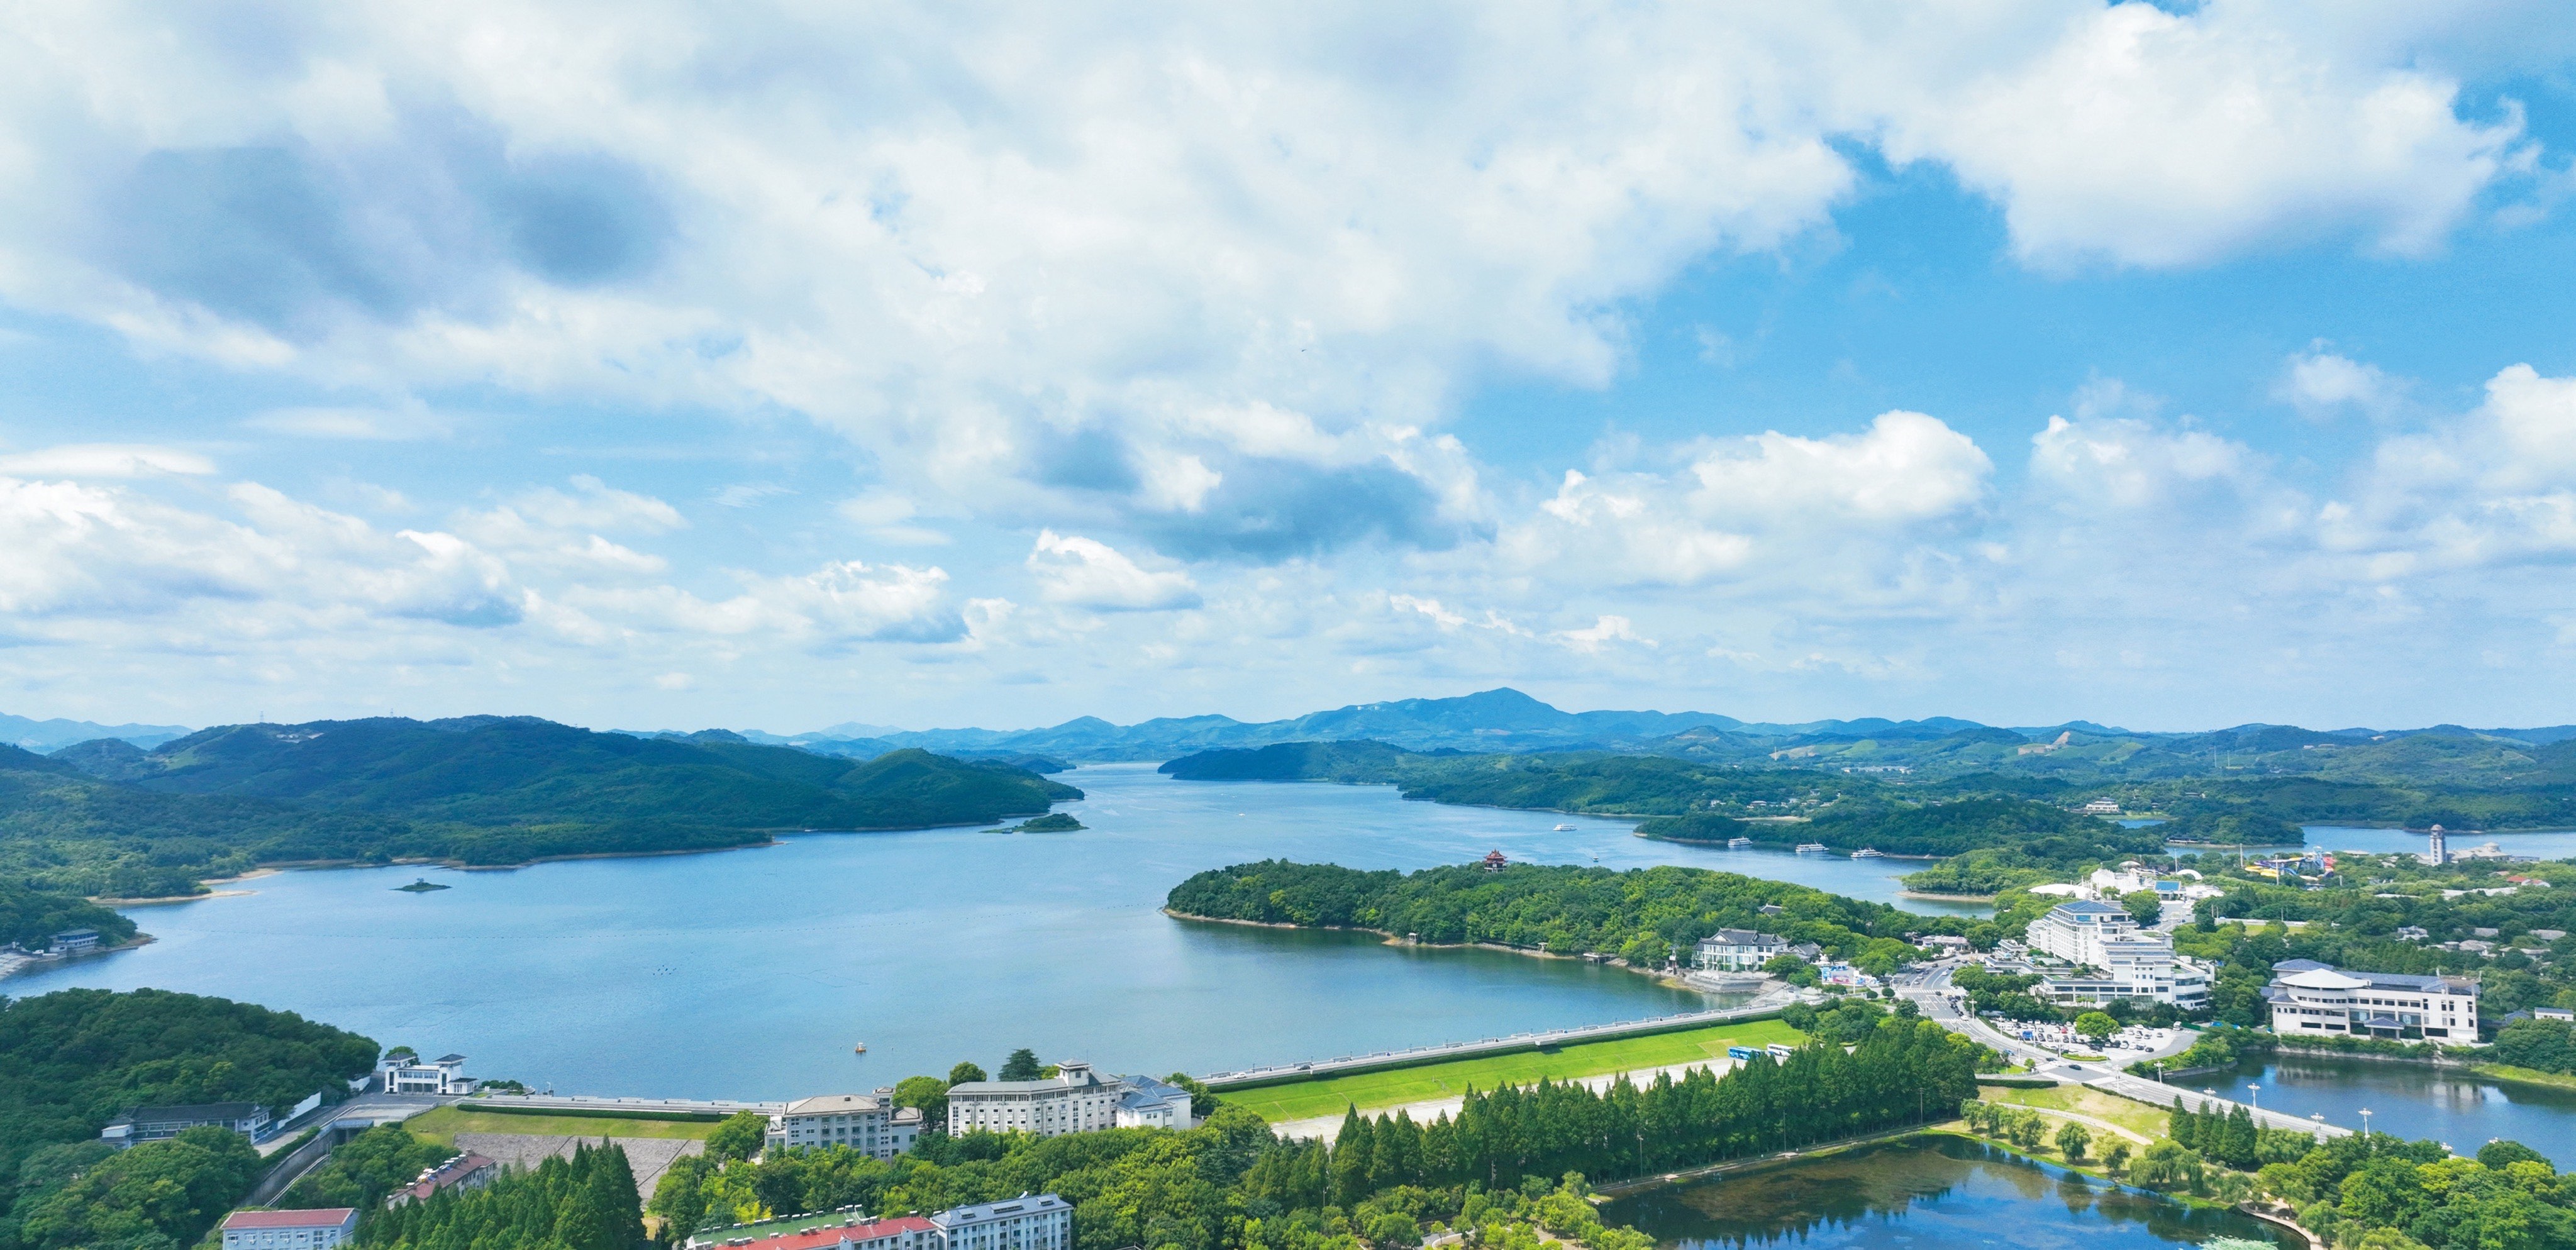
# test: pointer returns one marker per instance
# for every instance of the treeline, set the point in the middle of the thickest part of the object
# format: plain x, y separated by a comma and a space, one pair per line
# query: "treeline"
1640, 914
71, 1060
1903, 1072
586, 1202
1232, 1183
111, 819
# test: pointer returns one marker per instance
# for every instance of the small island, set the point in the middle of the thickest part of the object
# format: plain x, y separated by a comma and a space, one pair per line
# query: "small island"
422, 885
1052, 822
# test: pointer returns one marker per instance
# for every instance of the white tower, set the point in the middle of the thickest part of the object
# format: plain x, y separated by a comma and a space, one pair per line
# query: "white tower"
2437, 856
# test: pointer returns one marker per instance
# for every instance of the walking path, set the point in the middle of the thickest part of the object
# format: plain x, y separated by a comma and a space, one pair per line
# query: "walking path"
1323, 1128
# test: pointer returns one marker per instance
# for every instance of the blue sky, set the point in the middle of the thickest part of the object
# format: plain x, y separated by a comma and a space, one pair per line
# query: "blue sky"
925, 365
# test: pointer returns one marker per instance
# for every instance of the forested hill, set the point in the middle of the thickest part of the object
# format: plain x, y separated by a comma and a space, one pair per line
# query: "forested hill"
1638, 915
114, 819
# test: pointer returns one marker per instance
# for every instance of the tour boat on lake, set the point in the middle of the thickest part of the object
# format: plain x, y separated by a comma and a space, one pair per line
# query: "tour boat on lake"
1737, 844
1565, 828
1811, 848
1867, 853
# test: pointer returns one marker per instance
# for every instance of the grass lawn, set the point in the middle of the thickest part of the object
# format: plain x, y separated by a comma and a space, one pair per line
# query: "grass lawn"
1422, 1083
444, 1123
2137, 1117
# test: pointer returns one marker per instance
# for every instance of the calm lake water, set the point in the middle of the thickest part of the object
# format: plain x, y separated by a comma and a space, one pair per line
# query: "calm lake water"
2410, 1100
1924, 1193
752, 973
2560, 844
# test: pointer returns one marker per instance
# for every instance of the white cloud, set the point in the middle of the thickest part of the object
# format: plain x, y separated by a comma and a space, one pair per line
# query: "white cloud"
1907, 467
363, 424
96, 460
2130, 463
2495, 486
2320, 384
2130, 134
1209, 273
597, 505
1602, 632
1089, 574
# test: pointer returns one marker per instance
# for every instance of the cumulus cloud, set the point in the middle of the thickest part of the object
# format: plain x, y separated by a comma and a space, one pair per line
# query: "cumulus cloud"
2321, 384
2129, 463
1739, 503
2139, 136
1086, 573
1177, 274
2494, 486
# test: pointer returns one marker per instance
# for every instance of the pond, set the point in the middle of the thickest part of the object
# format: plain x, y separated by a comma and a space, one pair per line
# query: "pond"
1931, 1192
2412, 1100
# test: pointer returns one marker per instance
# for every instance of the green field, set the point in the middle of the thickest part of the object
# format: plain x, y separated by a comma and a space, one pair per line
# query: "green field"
442, 1125
1301, 1099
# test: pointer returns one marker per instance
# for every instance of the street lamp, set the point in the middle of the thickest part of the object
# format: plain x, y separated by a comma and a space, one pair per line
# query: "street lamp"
2365, 1124
2254, 1096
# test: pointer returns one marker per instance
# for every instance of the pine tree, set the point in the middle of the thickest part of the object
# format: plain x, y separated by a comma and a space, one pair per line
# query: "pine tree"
1351, 1161
2183, 1126
2239, 1150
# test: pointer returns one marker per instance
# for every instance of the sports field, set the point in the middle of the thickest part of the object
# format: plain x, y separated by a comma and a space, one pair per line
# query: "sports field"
1301, 1099
444, 1123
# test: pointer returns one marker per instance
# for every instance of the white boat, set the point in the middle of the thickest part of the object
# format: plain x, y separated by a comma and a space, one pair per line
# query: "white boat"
1565, 828
1737, 844
1866, 853
1811, 848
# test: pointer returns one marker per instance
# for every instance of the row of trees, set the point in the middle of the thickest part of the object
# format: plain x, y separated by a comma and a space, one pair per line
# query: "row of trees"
586, 1202
1903, 1073
1231, 1182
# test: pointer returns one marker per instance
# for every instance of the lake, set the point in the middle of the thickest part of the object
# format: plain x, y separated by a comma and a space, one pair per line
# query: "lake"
1922, 1193
2410, 1100
753, 973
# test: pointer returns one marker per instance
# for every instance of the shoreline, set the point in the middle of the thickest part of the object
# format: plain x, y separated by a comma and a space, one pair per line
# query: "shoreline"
1929, 897
768, 838
28, 963
1398, 939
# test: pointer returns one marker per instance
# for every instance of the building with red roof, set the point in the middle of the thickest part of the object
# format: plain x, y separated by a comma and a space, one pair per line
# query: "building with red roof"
465, 1171
902, 1232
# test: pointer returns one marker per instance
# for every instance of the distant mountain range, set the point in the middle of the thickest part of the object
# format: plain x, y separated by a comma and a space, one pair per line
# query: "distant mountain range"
42, 736
1505, 719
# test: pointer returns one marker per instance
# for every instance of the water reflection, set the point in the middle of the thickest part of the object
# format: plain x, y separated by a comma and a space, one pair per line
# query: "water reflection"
1928, 1193
2415, 1101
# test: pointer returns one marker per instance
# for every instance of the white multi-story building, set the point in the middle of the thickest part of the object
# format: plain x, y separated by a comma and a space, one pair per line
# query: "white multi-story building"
2311, 999
868, 1123
290, 1230
1737, 950
1074, 1100
410, 1074
2119, 959
1043, 1222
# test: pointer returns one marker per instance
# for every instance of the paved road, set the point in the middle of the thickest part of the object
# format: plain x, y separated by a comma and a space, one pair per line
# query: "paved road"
1930, 990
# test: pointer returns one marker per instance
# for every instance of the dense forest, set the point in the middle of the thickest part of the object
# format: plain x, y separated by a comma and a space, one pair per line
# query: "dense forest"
31, 914
481, 790
2254, 784
71, 1060
1232, 1183
1641, 914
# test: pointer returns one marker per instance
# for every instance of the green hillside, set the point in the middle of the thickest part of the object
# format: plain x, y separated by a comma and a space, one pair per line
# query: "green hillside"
484, 790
